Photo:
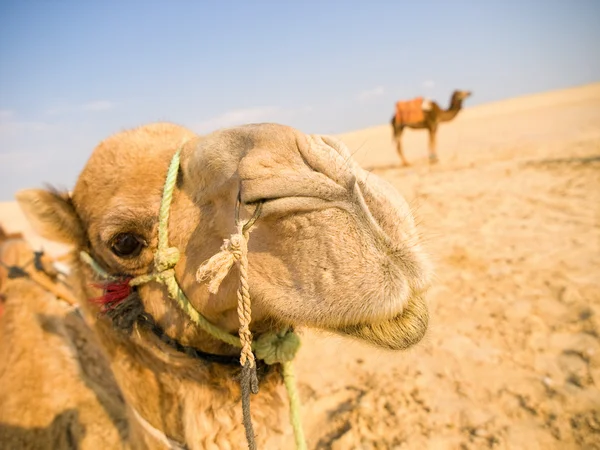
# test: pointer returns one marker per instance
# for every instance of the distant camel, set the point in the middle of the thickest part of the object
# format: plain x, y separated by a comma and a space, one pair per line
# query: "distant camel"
418, 114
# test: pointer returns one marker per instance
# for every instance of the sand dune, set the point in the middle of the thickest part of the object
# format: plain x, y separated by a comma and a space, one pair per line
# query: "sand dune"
512, 216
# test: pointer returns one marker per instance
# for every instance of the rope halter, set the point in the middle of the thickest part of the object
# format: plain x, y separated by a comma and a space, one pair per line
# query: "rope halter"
272, 347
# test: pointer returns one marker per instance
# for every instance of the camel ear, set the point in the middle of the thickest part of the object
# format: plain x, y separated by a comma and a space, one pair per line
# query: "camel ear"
52, 215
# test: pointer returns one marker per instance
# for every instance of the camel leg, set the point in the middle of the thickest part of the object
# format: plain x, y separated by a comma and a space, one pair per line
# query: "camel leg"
433, 158
398, 137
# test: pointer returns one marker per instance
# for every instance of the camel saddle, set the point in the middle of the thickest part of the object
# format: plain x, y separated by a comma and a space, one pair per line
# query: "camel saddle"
410, 111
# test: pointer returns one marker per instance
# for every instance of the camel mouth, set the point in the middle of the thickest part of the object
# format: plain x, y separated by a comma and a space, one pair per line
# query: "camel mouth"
400, 332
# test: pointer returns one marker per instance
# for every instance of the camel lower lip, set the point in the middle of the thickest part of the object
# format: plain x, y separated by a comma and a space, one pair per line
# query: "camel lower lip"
399, 333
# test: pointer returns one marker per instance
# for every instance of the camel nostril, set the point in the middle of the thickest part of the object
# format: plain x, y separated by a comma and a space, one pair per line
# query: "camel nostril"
352, 183
365, 211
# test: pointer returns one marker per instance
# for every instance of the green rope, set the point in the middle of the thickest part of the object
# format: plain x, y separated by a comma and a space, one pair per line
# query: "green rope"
272, 347
94, 265
289, 380
168, 279
165, 203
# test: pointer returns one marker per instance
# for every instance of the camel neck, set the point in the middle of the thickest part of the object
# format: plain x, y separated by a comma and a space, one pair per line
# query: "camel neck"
452, 111
229, 362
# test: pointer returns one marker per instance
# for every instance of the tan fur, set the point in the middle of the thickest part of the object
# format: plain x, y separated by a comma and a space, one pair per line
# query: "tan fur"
56, 390
4, 235
430, 118
335, 248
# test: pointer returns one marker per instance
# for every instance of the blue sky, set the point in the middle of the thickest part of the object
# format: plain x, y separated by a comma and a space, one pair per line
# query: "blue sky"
74, 72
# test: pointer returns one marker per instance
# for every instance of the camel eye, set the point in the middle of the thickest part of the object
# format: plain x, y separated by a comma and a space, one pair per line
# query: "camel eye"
127, 245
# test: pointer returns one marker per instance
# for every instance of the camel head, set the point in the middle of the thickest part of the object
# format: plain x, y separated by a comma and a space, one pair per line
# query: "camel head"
458, 95
335, 248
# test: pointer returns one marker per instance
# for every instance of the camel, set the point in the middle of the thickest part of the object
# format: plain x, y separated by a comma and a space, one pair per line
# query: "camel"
56, 388
333, 248
4, 235
35, 265
419, 114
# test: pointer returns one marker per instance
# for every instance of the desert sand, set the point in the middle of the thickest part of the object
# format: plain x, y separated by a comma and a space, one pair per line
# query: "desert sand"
511, 216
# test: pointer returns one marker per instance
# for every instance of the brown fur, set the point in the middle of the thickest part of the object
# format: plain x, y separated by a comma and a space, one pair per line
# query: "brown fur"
430, 119
335, 248
5, 236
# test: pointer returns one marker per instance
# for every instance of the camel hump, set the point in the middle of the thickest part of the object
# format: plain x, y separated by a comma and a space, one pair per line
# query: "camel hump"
414, 102
410, 111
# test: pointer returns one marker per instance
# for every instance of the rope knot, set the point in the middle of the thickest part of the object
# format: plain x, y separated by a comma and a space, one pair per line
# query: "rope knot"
275, 348
217, 267
166, 259
233, 245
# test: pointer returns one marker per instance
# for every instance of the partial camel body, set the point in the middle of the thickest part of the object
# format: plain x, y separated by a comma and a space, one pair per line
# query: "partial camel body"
56, 388
334, 248
428, 115
35, 265
4, 235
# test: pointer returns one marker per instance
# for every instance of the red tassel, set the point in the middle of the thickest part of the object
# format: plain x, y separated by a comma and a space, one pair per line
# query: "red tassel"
114, 293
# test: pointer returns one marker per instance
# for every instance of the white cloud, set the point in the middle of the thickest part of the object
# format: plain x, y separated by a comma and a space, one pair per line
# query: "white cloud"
98, 105
238, 117
428, 84
57, 110
6, 114
371, 94
12, 127
93, 106
21, 162
305, 109
244, 116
